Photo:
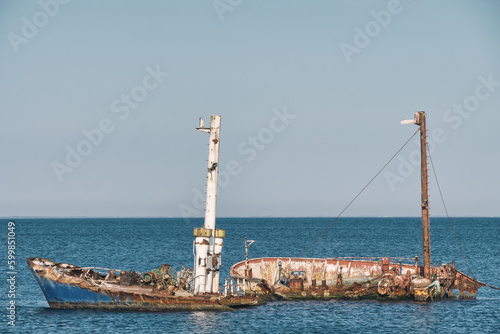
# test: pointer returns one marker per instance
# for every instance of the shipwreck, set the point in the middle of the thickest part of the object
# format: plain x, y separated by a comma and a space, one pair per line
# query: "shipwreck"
68, 286
382, 278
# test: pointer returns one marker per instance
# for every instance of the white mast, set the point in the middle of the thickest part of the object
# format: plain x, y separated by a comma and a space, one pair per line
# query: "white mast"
208, 239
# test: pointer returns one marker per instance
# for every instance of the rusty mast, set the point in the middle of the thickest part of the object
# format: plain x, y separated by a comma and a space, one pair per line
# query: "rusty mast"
421, 121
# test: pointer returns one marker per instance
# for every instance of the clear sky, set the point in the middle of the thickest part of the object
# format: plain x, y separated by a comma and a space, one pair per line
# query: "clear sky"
99, 101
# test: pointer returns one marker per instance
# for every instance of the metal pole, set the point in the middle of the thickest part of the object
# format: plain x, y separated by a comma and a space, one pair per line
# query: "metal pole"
209, 240
421, 120
426, 234
213, 162
213, 171
246, 257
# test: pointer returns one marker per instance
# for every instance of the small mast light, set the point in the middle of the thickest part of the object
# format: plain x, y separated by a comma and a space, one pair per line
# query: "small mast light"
202, 128
416, 121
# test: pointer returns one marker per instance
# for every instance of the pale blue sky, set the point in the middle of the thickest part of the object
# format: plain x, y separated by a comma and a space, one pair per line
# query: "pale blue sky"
345, 73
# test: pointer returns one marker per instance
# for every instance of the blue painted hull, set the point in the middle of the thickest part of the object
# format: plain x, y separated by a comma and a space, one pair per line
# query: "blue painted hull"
61, 293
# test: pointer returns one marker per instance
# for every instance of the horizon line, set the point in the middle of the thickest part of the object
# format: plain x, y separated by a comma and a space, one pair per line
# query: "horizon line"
177, 217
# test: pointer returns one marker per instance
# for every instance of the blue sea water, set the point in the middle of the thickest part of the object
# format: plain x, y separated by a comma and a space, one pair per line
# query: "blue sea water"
144, 243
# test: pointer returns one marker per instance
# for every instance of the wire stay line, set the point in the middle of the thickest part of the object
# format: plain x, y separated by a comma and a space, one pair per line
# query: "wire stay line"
356, 197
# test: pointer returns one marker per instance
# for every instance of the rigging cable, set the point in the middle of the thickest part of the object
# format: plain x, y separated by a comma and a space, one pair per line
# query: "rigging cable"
447, 215
352, 201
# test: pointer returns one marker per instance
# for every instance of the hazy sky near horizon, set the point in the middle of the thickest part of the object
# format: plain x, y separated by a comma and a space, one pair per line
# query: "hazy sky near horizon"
99, 101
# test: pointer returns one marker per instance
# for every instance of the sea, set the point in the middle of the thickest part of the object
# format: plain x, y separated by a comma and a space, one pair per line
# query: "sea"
142, 244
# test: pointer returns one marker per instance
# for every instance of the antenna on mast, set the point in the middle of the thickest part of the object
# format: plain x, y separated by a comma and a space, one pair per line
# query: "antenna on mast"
203, 129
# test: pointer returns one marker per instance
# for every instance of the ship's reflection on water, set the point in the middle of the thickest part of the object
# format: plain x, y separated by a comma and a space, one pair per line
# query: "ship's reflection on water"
206, 322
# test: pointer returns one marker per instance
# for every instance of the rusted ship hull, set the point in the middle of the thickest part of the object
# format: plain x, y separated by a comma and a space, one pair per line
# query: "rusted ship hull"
68, 287
354, 278
334, 278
